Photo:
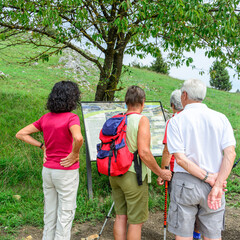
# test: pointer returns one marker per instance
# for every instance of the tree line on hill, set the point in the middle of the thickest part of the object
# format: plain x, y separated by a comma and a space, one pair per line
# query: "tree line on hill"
219, 76
159, 65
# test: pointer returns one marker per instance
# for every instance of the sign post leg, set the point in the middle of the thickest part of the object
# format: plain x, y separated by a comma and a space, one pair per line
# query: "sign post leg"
89, 173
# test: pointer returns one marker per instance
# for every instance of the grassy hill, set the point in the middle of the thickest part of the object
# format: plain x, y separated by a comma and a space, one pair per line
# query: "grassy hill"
23, 93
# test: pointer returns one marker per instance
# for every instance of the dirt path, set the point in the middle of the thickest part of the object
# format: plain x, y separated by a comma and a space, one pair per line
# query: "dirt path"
152, 229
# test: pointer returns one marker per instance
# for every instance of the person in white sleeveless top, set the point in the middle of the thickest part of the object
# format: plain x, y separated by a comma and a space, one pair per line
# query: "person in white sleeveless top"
131, 200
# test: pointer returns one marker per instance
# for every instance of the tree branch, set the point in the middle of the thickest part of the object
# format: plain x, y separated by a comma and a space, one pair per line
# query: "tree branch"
84, 33
101, 30
72, 22
68, 44
104, 11
40, 55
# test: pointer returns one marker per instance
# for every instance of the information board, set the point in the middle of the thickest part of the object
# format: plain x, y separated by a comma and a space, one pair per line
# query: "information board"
96, 113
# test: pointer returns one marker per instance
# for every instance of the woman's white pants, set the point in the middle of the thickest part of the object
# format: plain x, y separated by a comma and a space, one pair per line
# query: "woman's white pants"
60, 193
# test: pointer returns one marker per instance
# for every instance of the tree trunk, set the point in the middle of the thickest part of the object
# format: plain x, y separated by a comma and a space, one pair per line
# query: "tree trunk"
101, 87
107, 85
100, 94
115, 76
108, 81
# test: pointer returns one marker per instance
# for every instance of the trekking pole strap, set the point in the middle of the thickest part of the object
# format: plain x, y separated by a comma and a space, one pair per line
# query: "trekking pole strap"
138, 167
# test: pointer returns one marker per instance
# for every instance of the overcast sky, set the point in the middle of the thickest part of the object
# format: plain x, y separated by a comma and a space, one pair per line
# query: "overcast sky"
201, 62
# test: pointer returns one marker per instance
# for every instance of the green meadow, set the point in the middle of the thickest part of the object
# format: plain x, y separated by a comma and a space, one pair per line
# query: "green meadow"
23, 93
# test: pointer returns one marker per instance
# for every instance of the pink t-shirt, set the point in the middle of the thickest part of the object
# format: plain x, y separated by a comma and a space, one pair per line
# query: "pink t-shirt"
57, 137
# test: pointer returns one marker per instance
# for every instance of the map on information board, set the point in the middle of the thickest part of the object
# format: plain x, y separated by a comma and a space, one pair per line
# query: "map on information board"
96, 113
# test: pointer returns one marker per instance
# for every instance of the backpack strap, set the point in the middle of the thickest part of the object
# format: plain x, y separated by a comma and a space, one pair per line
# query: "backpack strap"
138, 167
111, 152
137, 160
132, 113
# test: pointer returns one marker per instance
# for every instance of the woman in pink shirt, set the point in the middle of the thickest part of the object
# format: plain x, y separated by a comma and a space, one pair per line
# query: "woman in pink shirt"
62, 142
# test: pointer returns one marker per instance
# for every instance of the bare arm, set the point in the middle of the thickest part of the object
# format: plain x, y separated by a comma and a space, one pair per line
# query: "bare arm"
214, 197
166, 157
226, 166
24, 135
77, 143
194, 169
143, 141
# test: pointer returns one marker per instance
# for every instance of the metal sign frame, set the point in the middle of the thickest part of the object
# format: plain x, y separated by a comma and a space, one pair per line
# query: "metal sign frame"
88, 154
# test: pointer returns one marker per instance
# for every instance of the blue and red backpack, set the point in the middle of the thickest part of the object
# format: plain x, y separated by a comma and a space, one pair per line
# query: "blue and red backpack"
113, 155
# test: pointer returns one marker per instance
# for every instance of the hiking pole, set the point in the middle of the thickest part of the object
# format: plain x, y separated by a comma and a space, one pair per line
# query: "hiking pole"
235, 164
108, 216
165, 208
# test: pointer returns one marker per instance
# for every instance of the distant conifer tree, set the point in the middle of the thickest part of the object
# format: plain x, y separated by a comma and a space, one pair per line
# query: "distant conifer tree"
219, 77
159, 65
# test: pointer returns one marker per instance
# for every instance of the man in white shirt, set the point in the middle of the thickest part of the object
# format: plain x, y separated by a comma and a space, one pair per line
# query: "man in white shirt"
203, 145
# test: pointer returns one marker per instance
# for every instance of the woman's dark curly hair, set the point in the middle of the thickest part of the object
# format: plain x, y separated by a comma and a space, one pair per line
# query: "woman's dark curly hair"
64, 97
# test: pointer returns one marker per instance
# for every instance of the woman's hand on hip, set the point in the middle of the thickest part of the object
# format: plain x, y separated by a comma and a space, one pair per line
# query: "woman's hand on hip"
69, 160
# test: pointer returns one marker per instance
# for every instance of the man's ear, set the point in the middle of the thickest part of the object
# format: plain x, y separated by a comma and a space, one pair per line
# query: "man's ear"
185, 95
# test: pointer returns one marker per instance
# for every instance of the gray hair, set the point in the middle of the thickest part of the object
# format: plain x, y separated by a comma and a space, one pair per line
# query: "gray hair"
175, 99
196, 89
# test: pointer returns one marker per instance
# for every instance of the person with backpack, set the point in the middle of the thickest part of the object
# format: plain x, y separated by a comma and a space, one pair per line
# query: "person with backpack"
60, 173
131, 199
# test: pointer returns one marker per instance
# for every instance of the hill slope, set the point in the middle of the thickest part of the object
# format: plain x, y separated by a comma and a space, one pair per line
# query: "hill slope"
23, 93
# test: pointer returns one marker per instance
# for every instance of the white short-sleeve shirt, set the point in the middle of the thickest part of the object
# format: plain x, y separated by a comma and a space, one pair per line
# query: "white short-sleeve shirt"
201, 134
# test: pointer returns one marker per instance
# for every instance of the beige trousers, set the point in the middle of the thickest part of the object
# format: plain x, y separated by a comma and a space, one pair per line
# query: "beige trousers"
60, 193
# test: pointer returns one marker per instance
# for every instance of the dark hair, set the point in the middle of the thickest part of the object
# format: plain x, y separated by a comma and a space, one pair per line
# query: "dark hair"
64, 97
134, 96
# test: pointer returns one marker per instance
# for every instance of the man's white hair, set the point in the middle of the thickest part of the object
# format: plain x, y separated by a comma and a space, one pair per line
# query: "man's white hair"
196, 89
175, 99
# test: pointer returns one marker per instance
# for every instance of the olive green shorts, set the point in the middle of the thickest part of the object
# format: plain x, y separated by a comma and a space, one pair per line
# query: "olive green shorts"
130, 199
